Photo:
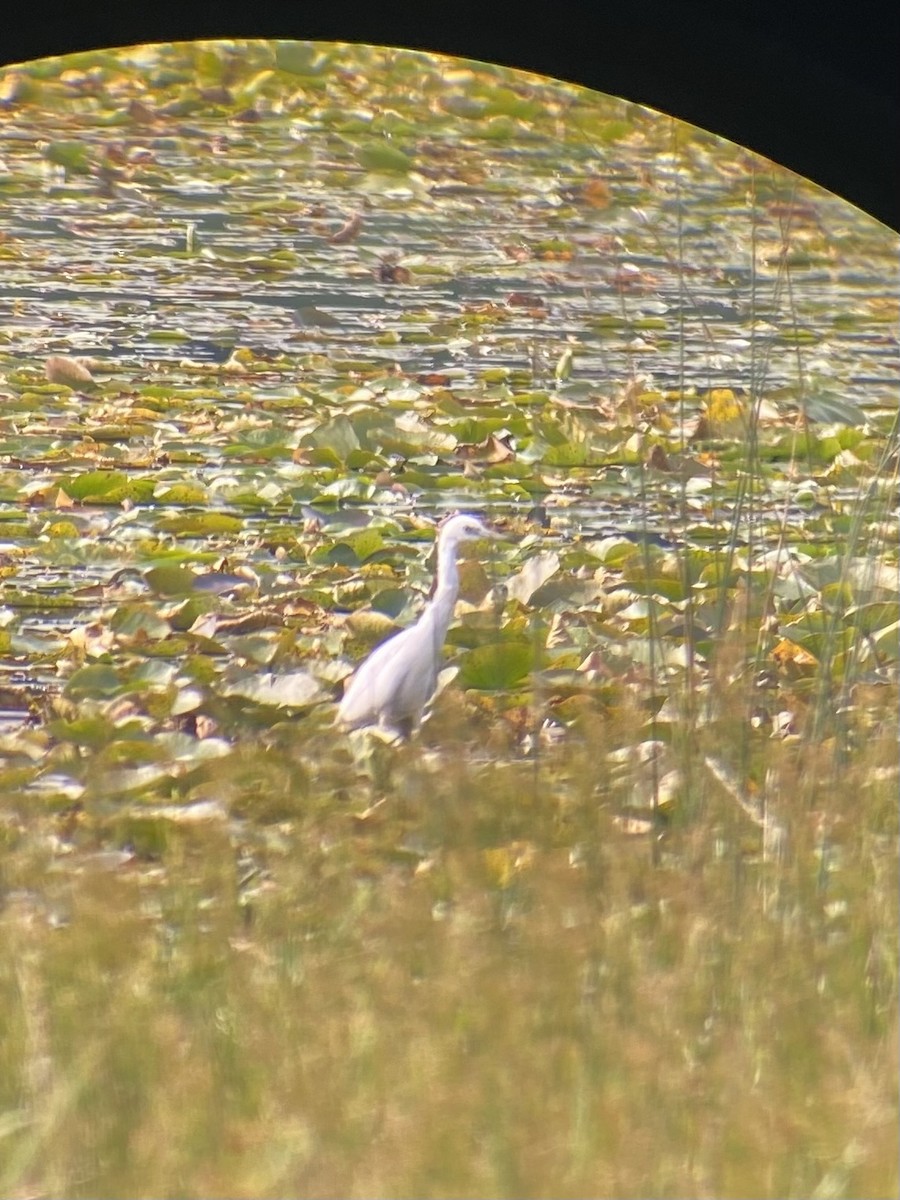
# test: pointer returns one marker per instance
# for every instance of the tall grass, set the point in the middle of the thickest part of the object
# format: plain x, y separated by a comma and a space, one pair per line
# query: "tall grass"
480, 987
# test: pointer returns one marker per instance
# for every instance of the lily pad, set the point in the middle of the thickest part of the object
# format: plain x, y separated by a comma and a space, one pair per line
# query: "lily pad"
497, 666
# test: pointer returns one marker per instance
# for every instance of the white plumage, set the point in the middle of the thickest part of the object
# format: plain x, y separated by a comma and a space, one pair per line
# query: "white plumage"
394, 684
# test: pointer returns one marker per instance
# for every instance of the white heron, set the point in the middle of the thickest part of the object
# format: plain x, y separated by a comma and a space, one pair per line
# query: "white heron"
396, 681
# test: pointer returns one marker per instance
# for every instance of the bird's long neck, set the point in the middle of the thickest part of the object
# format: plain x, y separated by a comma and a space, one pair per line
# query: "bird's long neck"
446, 588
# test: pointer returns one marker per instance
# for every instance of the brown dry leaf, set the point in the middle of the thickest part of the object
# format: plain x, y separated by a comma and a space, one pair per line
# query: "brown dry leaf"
141, 113
517, 253
529, 300
47, 497
114, 153
69, 372
217, 95
205, 625
391, 272
606, 243
629, 278
483, 308
95, 640
792, 210
658, 459
348, 231
697, 430
595, 667
595, 193
493, 449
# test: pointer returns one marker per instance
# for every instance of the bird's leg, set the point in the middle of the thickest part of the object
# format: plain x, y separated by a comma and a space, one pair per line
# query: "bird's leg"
382, 763
404, 728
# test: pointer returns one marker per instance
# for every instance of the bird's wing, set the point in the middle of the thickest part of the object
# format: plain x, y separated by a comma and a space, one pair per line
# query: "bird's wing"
395, 682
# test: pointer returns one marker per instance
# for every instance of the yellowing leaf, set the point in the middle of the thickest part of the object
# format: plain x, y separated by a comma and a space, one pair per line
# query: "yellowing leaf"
503, 863
788, 652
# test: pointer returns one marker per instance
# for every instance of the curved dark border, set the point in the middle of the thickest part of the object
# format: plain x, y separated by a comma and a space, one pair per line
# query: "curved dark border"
812, 87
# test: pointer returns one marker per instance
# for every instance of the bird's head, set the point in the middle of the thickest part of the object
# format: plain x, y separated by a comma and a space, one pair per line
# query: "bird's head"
462, 528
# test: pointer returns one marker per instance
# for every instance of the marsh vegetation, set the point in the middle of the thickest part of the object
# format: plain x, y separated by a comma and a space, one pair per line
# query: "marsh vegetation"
622, 919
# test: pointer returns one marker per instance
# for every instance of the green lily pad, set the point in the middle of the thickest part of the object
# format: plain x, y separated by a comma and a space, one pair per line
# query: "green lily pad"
382, 156
298, 689
93, 485
94, 680
200, 524
497, 666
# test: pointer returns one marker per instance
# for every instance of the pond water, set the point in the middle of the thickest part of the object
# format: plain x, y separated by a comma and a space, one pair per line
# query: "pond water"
306, 300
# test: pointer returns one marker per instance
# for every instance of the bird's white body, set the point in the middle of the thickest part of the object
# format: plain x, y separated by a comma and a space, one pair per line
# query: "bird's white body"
395, 683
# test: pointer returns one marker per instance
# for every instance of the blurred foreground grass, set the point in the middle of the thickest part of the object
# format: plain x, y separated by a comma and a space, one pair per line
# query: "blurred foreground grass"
480, 985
